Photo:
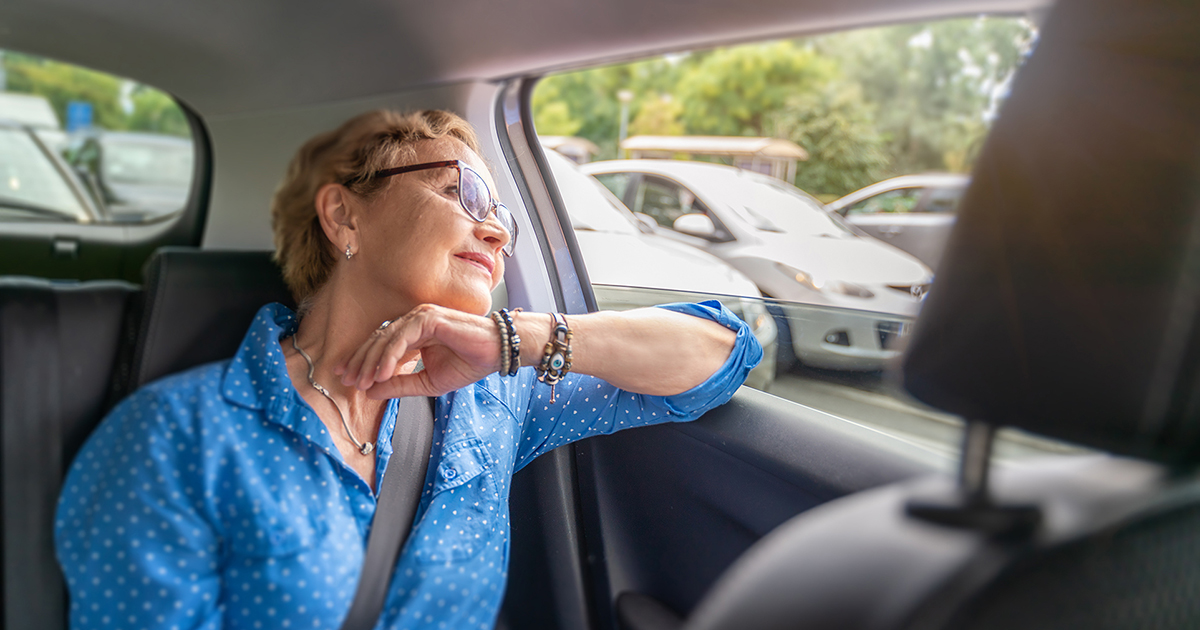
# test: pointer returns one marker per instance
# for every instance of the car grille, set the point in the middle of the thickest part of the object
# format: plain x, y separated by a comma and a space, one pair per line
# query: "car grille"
918, 291
890, 333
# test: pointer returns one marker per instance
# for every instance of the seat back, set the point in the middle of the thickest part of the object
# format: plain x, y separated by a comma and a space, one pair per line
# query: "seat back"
58, 345
1067, 304
195, 308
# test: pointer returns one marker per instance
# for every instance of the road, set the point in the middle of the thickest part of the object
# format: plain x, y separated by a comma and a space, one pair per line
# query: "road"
875, 400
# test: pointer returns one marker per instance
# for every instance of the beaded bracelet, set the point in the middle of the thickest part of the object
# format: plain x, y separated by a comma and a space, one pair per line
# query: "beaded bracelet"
510, 341
514, 342
556, 356
505, 355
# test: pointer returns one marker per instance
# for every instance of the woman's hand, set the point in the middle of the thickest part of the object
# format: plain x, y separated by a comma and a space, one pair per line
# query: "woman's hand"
457, 349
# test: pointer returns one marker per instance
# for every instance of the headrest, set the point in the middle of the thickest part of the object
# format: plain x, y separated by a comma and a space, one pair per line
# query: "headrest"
197, 306
1068, 298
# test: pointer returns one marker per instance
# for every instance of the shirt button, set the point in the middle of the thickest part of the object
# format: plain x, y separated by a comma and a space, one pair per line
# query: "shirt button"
450, 474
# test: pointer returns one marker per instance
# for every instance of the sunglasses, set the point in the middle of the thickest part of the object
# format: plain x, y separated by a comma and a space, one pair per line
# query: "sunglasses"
473, 195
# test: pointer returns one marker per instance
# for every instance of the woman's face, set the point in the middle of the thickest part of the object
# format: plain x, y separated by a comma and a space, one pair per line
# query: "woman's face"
417, 245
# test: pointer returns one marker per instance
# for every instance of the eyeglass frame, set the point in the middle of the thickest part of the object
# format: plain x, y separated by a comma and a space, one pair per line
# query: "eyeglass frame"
510, 248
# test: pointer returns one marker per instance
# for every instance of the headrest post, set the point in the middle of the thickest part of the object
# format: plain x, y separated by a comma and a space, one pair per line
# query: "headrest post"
970, 505
976, 461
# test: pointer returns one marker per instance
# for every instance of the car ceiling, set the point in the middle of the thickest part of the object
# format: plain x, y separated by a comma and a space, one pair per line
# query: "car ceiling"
227, 57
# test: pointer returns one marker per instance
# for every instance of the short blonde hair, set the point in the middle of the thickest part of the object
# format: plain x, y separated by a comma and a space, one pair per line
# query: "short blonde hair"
362, 145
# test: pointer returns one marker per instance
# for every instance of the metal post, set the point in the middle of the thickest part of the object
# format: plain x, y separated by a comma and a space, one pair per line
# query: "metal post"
976, 460
624, 96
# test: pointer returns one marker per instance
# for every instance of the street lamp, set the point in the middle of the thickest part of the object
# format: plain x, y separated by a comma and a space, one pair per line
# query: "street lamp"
624, 96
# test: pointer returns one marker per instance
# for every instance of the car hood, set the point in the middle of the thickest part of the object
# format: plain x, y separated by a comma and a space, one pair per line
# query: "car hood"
861, 260
643, 261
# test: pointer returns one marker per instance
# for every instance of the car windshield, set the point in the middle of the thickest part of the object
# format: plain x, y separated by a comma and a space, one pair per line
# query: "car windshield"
589, 203
31, 186
773, 206
148, 162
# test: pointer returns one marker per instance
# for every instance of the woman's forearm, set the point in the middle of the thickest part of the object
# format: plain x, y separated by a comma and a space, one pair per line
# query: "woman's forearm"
646, 351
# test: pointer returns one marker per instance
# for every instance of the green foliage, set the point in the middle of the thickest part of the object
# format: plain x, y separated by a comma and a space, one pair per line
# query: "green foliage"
933, 83
62, 83
156, 112
658, 117
733, 91
837, 128
117, 104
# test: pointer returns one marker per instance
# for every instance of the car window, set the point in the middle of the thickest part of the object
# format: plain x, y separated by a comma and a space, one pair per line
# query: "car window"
774, 206
943, 200
617, 183
663, 200
843, 111
124, 148
899, 201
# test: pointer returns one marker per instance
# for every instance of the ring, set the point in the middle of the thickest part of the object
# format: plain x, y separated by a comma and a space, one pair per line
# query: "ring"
385, 324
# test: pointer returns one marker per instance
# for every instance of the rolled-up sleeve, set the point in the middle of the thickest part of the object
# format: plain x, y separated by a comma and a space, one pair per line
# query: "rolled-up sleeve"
589, 406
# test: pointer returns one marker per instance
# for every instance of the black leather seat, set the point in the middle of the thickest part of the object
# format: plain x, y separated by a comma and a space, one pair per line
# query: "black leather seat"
1068, 304
58, 346
195, 308
68, 352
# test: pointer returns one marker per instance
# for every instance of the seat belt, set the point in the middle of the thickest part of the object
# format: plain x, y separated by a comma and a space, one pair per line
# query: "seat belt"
398, 498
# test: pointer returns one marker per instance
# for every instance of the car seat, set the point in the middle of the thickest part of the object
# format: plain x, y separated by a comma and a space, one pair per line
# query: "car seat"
58, 345
1067, 305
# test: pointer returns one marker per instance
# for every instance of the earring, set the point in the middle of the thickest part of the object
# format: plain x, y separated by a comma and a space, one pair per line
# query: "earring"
349, 254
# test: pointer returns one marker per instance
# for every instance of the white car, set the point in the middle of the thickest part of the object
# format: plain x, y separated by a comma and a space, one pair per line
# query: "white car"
630, 266
848, 298
912, 212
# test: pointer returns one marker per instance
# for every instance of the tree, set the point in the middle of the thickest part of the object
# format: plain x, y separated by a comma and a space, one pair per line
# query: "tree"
734, 91
933, 85
589, 99
142, 108
658, 117
156, 112
837, 128
62, 83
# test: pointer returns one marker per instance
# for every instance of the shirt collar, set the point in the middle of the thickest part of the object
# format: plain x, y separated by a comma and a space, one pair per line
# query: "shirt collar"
257, 379
257, 375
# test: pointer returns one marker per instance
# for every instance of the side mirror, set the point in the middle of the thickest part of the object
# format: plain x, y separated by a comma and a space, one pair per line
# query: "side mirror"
646, 220
695, 225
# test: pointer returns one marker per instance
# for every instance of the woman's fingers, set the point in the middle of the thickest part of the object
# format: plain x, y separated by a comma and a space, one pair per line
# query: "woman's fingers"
402, 385
456, 347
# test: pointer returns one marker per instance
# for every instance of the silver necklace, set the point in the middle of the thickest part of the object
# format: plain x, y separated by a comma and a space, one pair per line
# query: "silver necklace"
363, 447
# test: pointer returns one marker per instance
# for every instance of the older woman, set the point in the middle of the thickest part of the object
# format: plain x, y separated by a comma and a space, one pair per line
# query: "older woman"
240, 494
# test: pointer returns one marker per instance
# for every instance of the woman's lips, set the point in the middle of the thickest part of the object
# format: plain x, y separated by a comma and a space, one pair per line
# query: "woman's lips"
482, 260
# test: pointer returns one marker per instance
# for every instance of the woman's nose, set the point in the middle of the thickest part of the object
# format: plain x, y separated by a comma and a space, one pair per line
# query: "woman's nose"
492, 231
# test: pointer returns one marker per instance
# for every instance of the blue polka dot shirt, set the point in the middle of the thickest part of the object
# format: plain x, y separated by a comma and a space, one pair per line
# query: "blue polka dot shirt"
216, 498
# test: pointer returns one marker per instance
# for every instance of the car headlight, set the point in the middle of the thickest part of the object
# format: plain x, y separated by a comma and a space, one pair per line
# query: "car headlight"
809, 281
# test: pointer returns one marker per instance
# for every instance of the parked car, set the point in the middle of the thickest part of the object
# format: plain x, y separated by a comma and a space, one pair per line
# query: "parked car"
35, 112
912, 212
849, 299
35, 184
138, 176
630, 266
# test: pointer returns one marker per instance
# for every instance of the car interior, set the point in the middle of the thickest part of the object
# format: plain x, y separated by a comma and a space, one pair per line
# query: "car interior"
1065, 305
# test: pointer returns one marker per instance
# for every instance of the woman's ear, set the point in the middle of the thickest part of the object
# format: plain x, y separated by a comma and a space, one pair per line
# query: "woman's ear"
338, 219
